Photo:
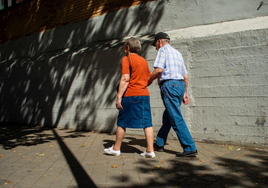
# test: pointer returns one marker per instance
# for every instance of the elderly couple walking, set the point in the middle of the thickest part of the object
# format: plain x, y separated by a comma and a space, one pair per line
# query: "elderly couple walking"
133, 99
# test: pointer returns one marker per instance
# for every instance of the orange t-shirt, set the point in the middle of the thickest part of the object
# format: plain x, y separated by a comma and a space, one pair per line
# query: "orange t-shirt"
139, 76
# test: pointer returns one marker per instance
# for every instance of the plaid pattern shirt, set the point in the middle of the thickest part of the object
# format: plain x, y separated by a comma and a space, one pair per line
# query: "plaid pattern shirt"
170, 60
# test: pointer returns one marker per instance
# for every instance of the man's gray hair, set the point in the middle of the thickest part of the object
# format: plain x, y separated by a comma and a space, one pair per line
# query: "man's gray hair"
165, 40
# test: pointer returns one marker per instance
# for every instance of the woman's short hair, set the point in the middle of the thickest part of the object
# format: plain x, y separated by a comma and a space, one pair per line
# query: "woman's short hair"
134, 45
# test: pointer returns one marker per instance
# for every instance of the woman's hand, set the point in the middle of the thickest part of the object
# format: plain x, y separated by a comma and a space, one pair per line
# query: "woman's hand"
118, 104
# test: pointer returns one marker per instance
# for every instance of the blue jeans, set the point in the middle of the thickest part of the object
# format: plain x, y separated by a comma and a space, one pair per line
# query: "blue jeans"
172, 92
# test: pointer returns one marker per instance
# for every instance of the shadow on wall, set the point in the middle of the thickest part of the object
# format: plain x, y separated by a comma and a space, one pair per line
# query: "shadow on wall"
47, 83
32, 16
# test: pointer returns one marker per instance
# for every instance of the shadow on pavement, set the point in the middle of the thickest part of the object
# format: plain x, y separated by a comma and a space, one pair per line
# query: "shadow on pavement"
129, 146
80, 175
241, 171
247, 167
13, 135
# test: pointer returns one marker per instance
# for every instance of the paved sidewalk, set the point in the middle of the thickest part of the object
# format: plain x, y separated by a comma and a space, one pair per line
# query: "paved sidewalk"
36, 157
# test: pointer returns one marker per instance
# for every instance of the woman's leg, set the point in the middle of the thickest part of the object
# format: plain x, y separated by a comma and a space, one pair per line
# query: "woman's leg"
120, 133
149, 134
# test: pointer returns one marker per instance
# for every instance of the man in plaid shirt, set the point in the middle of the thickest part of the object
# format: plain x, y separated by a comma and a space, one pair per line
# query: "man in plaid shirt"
172, 77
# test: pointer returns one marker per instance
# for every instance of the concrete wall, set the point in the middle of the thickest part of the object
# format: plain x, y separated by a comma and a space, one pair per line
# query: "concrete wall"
229, 86
66, 77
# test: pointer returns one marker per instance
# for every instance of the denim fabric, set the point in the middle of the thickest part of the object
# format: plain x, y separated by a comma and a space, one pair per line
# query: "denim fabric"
136, 112
172, 93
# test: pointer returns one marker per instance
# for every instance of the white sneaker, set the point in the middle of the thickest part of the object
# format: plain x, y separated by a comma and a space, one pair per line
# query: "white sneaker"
110, 151
148, 155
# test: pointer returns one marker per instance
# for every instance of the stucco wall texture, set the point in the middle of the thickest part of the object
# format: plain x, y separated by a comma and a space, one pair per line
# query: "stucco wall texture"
66, 77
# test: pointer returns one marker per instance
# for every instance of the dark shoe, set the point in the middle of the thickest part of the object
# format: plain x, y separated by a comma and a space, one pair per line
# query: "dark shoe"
187, 154
158, 148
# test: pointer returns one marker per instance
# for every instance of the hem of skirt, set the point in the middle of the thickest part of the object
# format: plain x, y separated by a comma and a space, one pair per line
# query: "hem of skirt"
131, 127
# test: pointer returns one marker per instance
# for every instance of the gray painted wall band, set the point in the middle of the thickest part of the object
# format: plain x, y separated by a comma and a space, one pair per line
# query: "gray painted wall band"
67, 77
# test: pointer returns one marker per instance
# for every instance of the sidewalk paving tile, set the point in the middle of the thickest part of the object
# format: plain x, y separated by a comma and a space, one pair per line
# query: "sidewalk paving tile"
64, 158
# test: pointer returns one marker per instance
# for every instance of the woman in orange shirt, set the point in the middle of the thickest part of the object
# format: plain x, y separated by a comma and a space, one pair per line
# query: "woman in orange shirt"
133, 99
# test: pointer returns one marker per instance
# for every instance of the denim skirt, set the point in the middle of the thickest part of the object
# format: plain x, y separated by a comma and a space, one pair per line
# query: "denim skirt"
136, 112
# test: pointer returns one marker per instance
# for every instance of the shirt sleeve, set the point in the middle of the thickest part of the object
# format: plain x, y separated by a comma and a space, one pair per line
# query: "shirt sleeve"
160, 59
125, 66
183, 69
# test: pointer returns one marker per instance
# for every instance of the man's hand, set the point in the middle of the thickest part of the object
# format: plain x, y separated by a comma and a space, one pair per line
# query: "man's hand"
156, 73
150, 81
185, 99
